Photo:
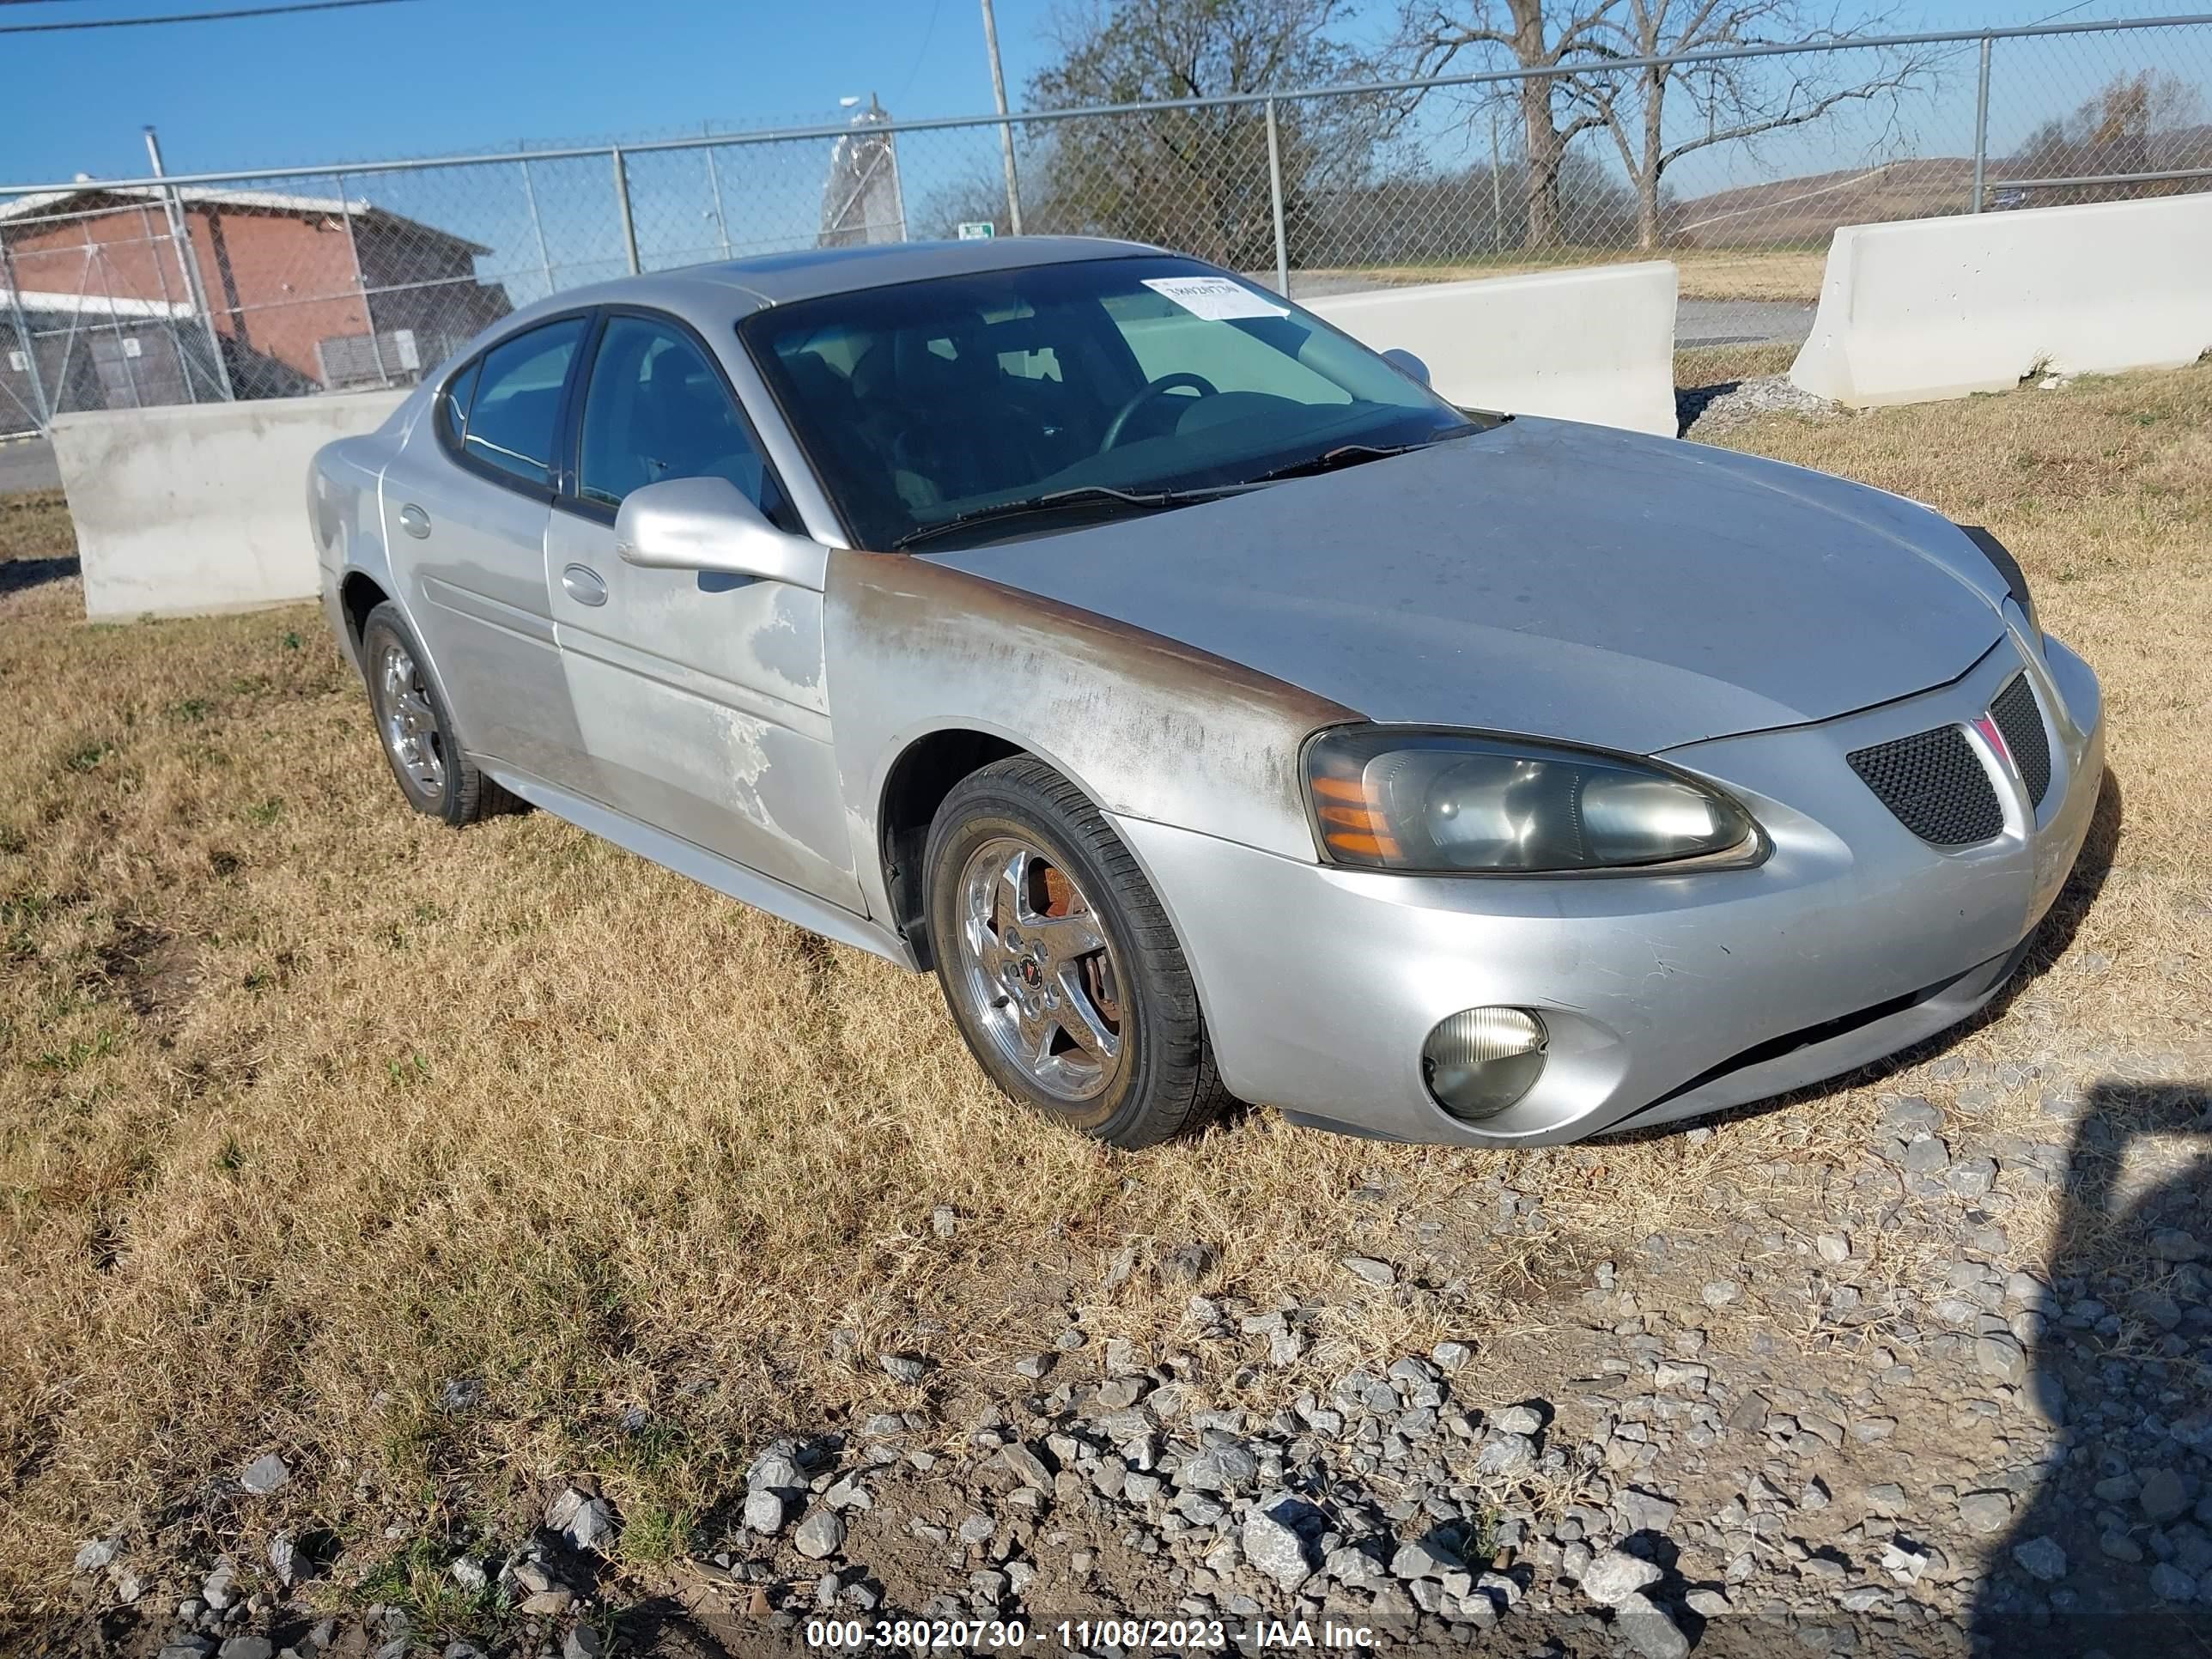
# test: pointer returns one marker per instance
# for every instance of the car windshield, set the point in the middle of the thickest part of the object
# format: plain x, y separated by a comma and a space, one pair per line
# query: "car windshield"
1120, 383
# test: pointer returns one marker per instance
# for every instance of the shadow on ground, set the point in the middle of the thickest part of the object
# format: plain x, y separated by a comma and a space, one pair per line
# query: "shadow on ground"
2110, 1547
17, 575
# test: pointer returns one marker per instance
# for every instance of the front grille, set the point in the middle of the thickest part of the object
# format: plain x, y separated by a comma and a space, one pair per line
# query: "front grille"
2022, 722
1935, 784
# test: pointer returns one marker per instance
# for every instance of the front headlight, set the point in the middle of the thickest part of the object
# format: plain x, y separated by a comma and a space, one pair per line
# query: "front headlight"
1444, 802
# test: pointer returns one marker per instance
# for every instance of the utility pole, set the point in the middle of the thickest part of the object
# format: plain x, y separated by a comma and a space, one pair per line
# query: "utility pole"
1005, 127
180, 235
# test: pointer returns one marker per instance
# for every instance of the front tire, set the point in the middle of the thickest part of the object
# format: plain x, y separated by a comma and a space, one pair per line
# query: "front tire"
1059, 964
417, 730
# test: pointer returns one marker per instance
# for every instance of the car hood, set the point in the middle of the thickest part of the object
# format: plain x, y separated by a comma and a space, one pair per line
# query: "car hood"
1553, 580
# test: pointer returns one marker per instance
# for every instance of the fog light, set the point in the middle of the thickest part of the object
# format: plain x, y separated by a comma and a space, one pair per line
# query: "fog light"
1480, 1060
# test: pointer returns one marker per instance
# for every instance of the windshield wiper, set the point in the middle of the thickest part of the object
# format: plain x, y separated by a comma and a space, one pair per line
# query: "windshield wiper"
1150, 501
1353, 454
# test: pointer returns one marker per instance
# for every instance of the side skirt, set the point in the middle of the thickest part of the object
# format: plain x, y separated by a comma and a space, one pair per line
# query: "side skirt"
709, 869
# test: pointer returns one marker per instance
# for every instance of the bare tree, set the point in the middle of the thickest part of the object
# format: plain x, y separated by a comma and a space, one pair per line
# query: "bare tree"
2141, 123
1437, 33
1737, 101
1197, 178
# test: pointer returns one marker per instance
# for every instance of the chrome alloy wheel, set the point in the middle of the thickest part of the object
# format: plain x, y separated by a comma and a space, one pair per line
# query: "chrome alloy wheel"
410, 724
1037, 970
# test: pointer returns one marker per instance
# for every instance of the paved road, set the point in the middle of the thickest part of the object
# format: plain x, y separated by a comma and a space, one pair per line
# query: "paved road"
1741, 322
27, 464
1697, 322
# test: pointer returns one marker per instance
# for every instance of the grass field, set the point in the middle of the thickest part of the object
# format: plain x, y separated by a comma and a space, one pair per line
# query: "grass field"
310, 1108
1706, 273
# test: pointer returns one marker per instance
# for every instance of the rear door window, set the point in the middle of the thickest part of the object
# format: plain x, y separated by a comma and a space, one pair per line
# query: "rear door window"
515, 418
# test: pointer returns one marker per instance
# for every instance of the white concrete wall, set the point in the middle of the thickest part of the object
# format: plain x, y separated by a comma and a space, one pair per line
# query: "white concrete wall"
1934, 309
201, 509
1585, 345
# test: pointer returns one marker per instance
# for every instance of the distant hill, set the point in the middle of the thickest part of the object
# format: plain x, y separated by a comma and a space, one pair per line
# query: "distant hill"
1808, 208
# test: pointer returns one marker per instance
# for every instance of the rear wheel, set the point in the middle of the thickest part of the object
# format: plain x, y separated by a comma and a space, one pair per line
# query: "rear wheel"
416, 729
1058, 962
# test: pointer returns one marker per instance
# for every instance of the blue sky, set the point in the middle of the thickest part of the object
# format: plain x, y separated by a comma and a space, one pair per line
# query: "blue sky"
448, 75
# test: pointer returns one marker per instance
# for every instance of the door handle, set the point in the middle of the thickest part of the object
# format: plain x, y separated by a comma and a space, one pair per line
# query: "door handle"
415, 522
584, 585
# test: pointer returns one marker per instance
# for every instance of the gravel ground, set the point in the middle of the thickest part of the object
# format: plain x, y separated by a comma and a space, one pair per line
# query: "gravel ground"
1711, 409
1764, 1446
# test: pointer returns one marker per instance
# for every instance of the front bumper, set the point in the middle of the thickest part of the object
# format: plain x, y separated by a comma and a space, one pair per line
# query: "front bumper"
1664, 996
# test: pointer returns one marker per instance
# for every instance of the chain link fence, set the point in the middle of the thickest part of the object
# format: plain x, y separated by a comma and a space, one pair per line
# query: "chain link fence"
1738, 164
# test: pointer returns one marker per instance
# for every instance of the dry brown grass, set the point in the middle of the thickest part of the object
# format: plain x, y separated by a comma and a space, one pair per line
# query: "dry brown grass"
1706, 273
309, 1106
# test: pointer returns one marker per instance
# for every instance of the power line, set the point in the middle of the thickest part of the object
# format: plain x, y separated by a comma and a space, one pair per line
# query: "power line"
192, 16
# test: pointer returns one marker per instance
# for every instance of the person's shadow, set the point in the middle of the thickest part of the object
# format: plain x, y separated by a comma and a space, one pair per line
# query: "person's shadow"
2110, 1549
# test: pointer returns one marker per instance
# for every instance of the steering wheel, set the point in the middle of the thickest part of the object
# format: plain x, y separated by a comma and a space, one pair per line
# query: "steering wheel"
1165, 384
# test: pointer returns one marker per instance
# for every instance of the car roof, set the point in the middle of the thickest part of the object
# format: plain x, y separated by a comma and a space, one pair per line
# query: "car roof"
806, 273
738, 286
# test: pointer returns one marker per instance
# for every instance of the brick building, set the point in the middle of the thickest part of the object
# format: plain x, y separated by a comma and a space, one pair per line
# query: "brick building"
306, 293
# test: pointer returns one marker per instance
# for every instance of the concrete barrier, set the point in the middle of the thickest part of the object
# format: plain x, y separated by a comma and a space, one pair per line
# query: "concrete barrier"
1585, 345
201, 509
1934, 309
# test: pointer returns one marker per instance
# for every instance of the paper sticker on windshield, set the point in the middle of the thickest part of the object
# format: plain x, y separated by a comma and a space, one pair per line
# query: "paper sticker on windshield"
1215, 298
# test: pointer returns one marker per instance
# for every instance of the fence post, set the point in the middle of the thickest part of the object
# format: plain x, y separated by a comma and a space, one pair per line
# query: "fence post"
622, 203
1981, 126
1005, 127
39, 412
1496, 191
715, 186
180, 234
537, 227
1275, 197
361, 284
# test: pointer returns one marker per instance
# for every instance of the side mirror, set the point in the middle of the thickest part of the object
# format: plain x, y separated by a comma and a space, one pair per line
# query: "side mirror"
707, 524
1406, 364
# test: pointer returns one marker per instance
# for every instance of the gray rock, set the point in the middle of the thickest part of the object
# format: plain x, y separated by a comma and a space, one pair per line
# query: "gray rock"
1986, 1512
584, 1643
266, 1475
2042, 1558
2172, 1244
763, 1512
587, 1522
776, 1470
977, 1529
1505, 1453
1718, 1293
1381, 1274
2120, 1546
2162, 1498
902, 1367
1451, 1355
1647, 1511
943, 1222
1835, 1248
1930, 1157
1650, 1628
2001, 1357
247, 1647
821, 1533
468, 1572
1275, 1550
1518, 1420
1218, 1468
221, 1588
1614, 1576
1028, 1467
94, 1556
1033, 1366
2170, 1583
1423, 1559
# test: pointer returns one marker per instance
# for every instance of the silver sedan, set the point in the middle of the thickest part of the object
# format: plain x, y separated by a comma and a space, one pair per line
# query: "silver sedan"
1218, 711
